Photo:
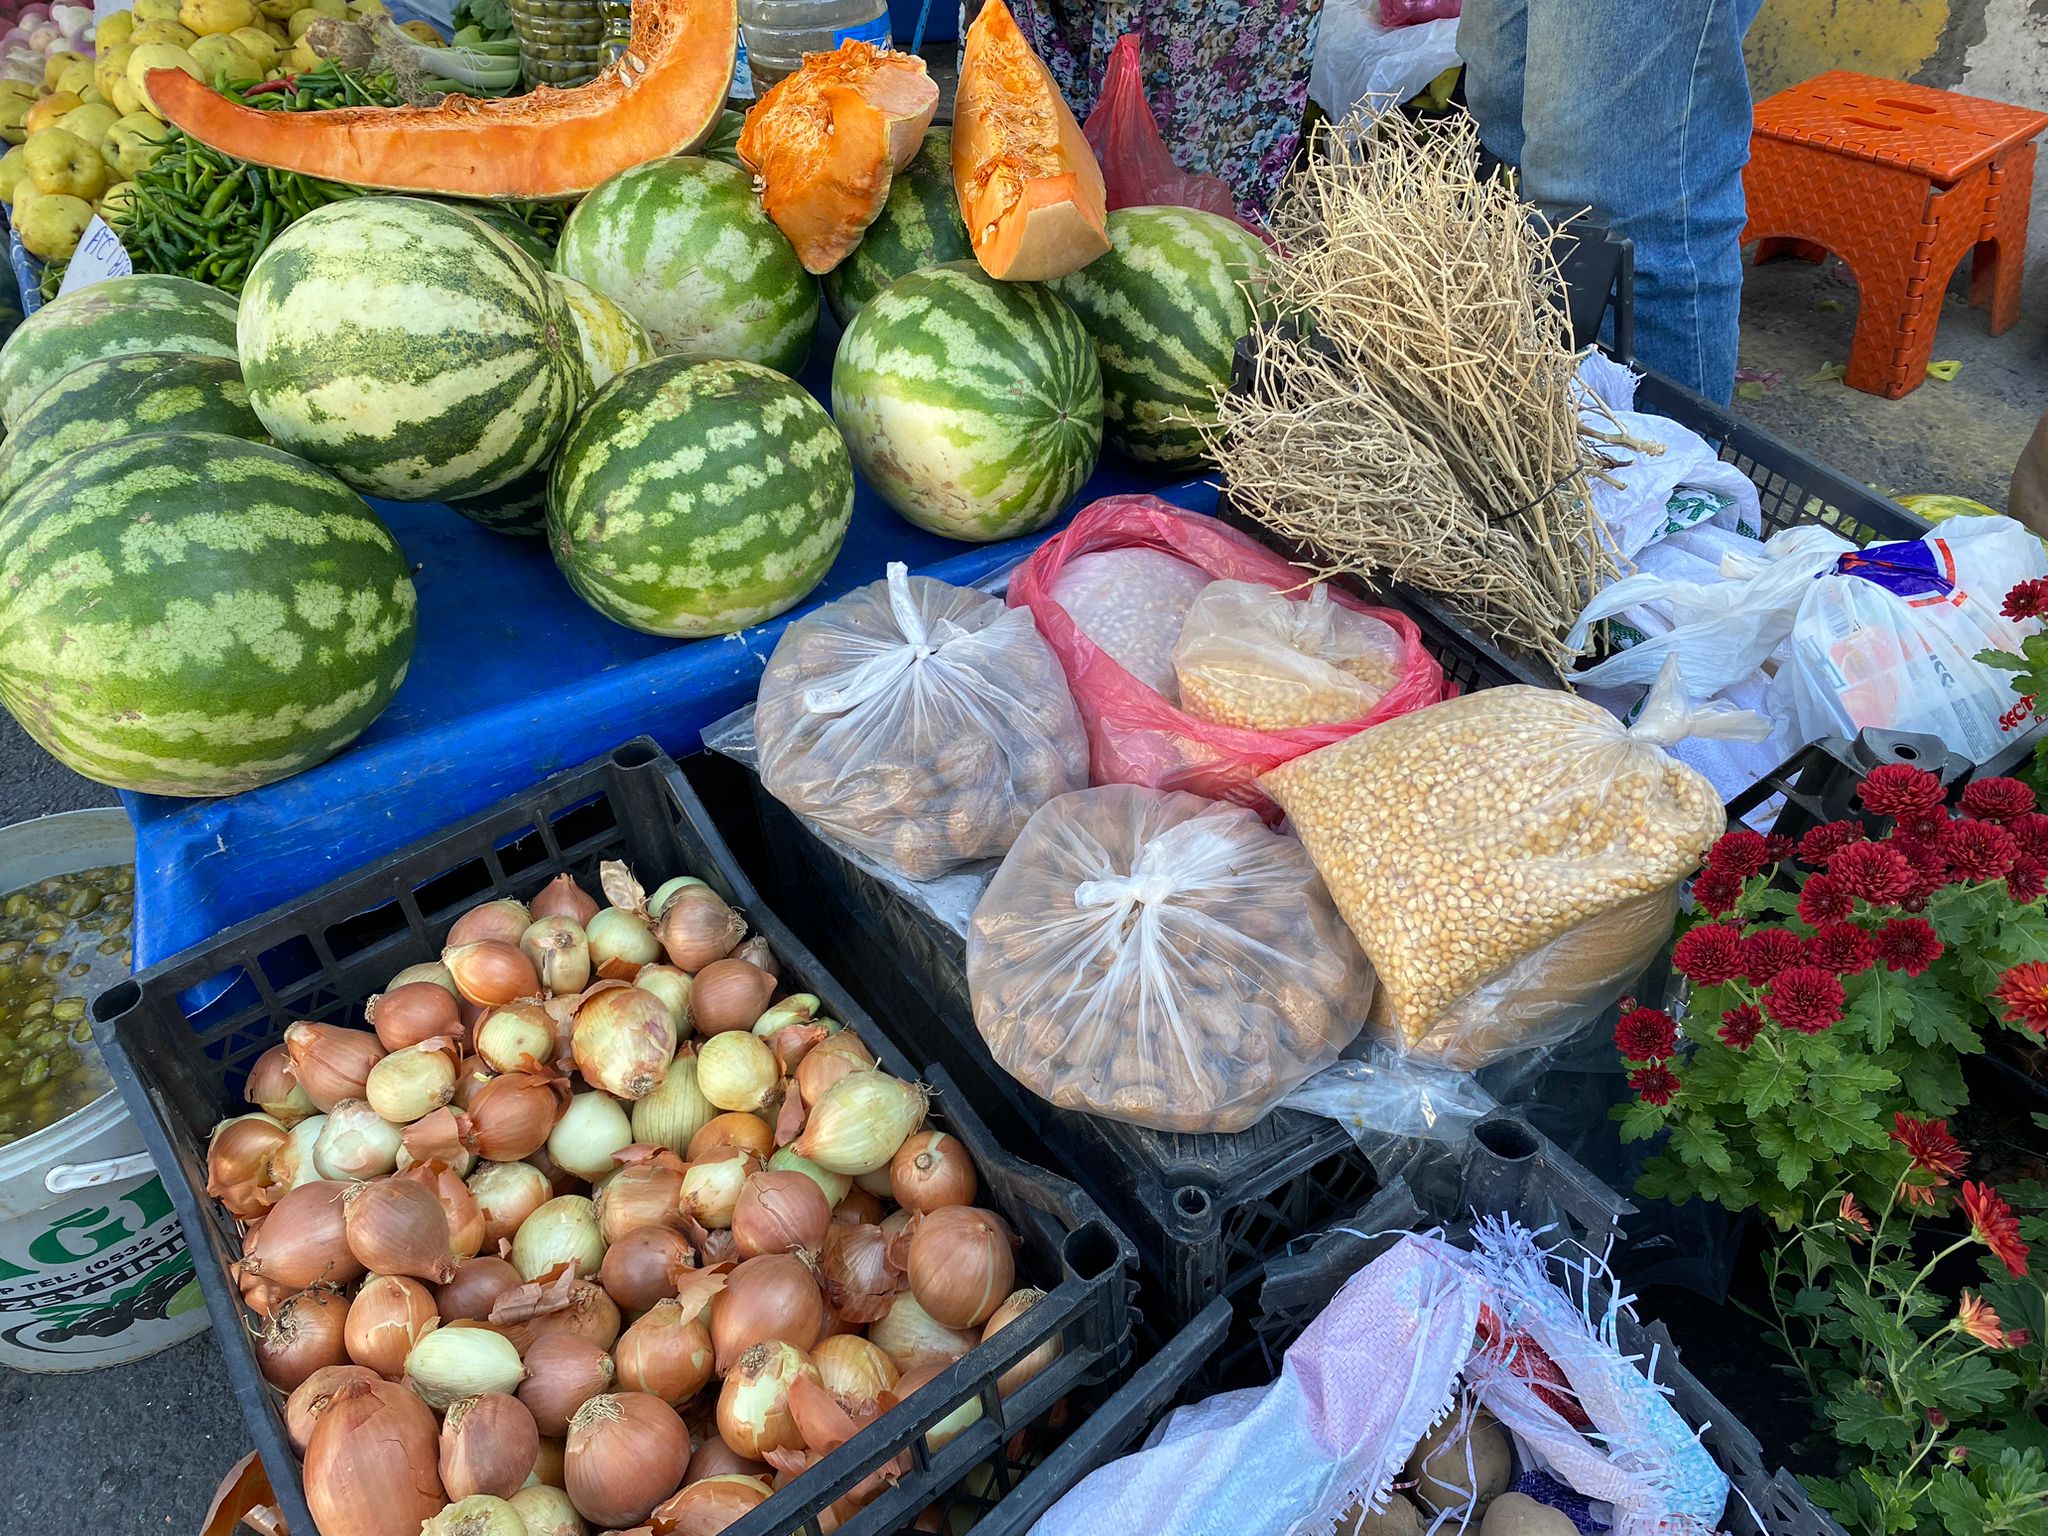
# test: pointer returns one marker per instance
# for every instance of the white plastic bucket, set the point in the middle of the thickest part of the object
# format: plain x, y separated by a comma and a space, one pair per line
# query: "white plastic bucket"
93, 1268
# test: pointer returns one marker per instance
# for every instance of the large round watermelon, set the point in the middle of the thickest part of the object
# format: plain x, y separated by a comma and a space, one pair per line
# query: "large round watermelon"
698, 498
144, 313
724, 143
973, 406
185, 613
409, 347
920, 226
114, 397
519, 509
1166, 307
612, 340
683, 247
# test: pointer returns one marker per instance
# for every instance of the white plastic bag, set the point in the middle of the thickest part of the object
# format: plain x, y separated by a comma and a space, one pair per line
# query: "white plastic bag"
918, 722
1160, 958
1131, 603
1360, 57
1270, 661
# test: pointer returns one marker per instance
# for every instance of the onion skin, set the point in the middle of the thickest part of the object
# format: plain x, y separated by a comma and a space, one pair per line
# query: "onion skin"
491, 972
931, 1170
862, 1208
563, 1230
546, 1511
250, 1162
331, 1063
313, 1396
563, 1372
274, 1088
506, 1194
644, 1266
476, 1284
774, 1296
697, 928
732, 1131
563, 897
909, 1336
458, 1207
560, 952
397, 1227
753, 1404
517, 1037
860, 1280
623, 1040
504, 920
303, 1335
585, 1311
947, 1429
417, 1011
389, 1315
646, 1192
304, 1241
714, 1504
625, 1453
511, 1115
1014, 1306
714, 1458
856, 1371
729, 994
780, 1213
664, 1353
488, 1445
830, 1060
372, 1466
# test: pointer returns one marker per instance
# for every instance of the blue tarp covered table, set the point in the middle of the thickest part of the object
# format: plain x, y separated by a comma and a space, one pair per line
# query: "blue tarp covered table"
513, 678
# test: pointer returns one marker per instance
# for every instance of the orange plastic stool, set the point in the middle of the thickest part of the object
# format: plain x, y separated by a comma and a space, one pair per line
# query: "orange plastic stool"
1901, 182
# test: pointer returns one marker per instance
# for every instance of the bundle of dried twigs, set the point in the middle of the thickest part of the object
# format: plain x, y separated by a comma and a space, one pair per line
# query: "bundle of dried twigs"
1428, 428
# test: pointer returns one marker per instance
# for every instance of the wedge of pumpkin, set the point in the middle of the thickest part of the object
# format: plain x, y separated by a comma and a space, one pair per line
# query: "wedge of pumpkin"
1029, 186
661, 97
827, 142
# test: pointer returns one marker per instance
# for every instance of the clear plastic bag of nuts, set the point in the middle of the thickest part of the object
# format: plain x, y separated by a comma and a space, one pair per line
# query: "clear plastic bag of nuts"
1510, 859
1132, 603
918, 722
1270, 660
1159, 958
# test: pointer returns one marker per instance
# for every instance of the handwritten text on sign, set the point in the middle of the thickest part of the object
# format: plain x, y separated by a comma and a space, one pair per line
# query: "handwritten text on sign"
99, 254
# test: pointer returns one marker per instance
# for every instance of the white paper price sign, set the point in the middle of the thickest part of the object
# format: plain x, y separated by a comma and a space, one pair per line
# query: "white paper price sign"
99, 254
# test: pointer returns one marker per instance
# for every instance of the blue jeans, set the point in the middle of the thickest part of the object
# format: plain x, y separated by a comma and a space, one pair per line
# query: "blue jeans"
1638, 109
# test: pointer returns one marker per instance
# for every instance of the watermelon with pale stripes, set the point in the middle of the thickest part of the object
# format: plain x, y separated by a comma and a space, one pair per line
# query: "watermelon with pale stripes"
974, 407
143, 313
410, 347
919, 226
612, 340
186, 613
1166, 307
696, 498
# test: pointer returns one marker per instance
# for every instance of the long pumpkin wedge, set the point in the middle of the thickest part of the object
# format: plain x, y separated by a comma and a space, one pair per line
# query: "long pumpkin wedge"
1029, 187
662, 97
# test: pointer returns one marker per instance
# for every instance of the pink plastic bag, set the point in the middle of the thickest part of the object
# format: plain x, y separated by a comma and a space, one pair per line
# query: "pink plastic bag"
1407, 13
1137, 168
1134, 735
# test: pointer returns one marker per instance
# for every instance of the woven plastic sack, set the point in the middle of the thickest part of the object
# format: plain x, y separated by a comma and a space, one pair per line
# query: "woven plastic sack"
1136, 735
918, 722
1158, 958
1137, 167
1251, 656
1509, 860
1132, 603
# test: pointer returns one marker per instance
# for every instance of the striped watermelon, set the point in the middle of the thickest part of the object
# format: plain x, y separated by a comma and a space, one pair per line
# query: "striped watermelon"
683, 247
410, 348
184, 613
724, 143
144, 313
512, 227
519, 509
119, 396
920, 226
612, 340
973, 406
1166, 307
696, 498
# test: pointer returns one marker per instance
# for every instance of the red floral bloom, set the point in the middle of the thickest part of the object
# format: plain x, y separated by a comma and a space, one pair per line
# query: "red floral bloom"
2028, 600
1908, 944
1931, 1147
1769, 951
1900, 790
1656, 1083
1709, 955
1778, 848
1980, 1320
2027, 880
1717, 891
1930, 867
1993, 1224
1740, 1026
1997, 800
1843, 948
1741, 852
1819, 844
1852, 1216
1825, 899
1646, 1034
2031, 833
2023, 992
1978, 850
1805, 998
1877, 872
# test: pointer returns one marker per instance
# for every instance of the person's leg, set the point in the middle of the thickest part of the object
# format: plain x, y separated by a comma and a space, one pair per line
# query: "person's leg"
1642, 113
1492, 37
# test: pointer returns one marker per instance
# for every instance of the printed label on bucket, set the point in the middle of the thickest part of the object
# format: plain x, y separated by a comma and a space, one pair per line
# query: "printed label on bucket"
101, 1275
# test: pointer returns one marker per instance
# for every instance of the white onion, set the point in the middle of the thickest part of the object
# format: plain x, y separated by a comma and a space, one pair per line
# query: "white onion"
591, 1129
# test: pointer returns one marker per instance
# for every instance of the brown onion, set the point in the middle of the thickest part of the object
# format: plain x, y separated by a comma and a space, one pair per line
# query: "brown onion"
372, 1465
830, 1060
584, 1309
389, 1315
251, 1161
780, 1213
643, 1267
621, 942
747, 1133
510, 1116
953, 1424
646, 1192
331, 1063
625, 1453
712, 1504
908, 1335
673, 987
623, 1041
491, 971
757, 954
304, 1333
753, 1403
443, 1136
506, 1194
411, 1083
546, 1511
563, 897
314, 1396
474, 1288
712, 1184
860, 1279
962, 1264
304, 1240
504, 920
714, 1458
274, 1088
547, 1466
696, 927
860, 1208
472, 1076
856, 1371
775, 1296
260, 1296
417, 1011
664, 1353
931, 1170
729, 994
397, 1227
488, 1445
563, 1372
1014, 1306
466, 1227
560, 952
516, 1037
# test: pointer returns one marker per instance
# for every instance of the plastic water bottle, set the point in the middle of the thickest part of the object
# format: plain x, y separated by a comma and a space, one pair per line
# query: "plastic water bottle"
776, 34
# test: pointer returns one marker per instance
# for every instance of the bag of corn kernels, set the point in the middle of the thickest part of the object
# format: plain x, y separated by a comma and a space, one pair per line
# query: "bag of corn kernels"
1252, 656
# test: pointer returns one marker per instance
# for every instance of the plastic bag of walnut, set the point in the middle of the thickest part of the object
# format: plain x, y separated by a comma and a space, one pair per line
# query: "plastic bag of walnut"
1159, 958
1509, 860
1270, 660
918, 722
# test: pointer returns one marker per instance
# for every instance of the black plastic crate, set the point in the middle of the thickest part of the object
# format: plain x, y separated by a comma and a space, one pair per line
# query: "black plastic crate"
321, 956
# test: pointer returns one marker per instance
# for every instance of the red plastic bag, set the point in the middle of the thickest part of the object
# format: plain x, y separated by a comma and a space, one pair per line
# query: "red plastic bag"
1407, 13
1137, 168
1134, 735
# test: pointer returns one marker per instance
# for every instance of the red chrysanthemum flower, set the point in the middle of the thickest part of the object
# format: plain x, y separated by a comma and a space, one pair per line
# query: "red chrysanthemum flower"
1709, 955
1908, 944
1852, 1216
1805, 998
1645, 1034
2031, 833
1842, 948
1825, 899
1998, 799
2027, 880
1932, 1149
1778, 848
1717, 891
1655, 1083
2023, 993
1980, 1320
1977, 850
1740, 1026
1992, 1223
1930, 868
1899, 790
1877, 872
1740, 852
2028, 600
1819, 844
1769, 951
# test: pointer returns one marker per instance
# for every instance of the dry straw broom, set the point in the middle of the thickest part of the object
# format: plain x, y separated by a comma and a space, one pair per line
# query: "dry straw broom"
1428, 429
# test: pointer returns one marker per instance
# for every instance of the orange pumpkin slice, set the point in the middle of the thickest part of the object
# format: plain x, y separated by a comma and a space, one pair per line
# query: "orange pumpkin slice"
661, 97
827, 142
1028, 184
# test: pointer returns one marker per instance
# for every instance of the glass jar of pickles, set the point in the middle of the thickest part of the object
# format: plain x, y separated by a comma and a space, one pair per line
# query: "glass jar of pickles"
61, 940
